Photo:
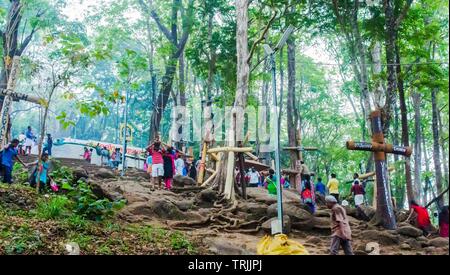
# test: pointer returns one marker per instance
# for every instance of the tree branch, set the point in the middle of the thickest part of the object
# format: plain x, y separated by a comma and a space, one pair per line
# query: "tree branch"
261, 37
403, 14
155, 17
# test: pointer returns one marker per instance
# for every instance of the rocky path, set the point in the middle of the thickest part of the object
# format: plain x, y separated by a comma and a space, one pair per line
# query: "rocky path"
236, 229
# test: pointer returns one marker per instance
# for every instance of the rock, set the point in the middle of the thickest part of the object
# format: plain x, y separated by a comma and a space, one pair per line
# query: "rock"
222, 247
439, 242
104, 190
156, 207
267, 225
79, 172
261, 195
292, 210
359, 252
414, 243
321, 223
405, 246
303, 225
180, 181
409, 231
184, 205
207, 195
105, 173
422, 239
323, 213
430, 249
380, 236
313, 239
350, 211
254, 210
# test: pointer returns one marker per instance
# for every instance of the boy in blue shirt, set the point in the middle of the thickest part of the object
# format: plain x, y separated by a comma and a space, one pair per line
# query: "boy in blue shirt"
320, 187
9, 155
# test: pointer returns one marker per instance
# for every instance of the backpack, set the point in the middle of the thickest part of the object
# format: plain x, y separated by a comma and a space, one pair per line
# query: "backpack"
307, 196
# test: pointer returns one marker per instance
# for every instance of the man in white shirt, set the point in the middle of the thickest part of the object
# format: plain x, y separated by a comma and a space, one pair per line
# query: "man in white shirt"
254, 178
179, 165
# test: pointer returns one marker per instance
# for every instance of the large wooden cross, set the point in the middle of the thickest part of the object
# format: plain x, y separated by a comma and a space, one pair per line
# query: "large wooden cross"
379, 148
296, 179
10, 95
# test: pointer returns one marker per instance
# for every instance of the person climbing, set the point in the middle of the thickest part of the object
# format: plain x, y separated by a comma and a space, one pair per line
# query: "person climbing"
333, 187
42, 169
48, 146
253, 178
286, 183
320, 187
307, 195
192, 170
105, 156
423, 219
443, 222
149, 164
115, 158
89, 159
340, 228
179, 165
86, 154
169, 168
29, 140
270, 183
22, 138
156, 151
8, 155
357, 191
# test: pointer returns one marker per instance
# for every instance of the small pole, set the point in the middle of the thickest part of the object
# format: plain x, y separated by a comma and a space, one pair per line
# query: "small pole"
125, 134
277, 146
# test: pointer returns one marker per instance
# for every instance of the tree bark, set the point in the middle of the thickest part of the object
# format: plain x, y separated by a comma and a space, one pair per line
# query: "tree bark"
417, 145
436, 147
405, 132
443, 150
291, 108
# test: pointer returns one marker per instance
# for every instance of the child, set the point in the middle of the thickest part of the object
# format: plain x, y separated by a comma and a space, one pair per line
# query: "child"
86, 154
149, 165
42, 169
270, 183
169, 168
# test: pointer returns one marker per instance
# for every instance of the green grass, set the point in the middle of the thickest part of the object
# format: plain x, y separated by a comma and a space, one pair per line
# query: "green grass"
179, 241
22, 240
54, 208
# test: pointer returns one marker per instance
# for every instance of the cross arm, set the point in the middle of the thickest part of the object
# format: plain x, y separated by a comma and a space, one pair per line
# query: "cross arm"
301, 148
379, 147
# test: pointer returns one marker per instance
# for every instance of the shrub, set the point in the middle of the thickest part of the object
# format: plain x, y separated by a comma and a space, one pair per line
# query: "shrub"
54, 208
88, 205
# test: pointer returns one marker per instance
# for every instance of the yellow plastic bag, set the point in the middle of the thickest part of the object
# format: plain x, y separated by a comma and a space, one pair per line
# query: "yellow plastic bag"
279, 245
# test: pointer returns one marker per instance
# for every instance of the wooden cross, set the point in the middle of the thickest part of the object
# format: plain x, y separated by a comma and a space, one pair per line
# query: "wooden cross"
296, 179
10, 95
385, 208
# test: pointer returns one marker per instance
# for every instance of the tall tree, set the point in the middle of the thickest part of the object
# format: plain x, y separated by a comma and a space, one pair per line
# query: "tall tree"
178, 44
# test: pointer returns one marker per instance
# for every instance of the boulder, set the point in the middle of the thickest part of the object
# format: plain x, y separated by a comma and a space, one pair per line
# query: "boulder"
409, 231
221, 246
313, 239
184, 205
104, 190
323, 213
306, 225
267, 225
105, 173
382, 237
321, 223
180, 181
292, 210
439, 242
254, 210
405, 246
156, 207
414, 243
79, 172
206, 198
261, 195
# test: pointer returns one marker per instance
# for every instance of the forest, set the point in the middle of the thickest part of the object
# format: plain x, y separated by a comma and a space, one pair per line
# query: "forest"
179, 69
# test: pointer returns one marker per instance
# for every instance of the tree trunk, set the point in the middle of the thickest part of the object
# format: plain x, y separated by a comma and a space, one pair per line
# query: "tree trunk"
390, 42
291, 108
443, 150
436, 147
417, 145
405, 133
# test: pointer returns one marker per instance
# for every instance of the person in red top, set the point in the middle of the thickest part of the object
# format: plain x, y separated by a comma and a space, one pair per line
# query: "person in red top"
443, 222
423, 219
157, 151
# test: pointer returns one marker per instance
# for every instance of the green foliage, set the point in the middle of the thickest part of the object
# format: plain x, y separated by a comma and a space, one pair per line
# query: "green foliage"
54, 208
21, 240
179, 241
88, 205
62, 175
